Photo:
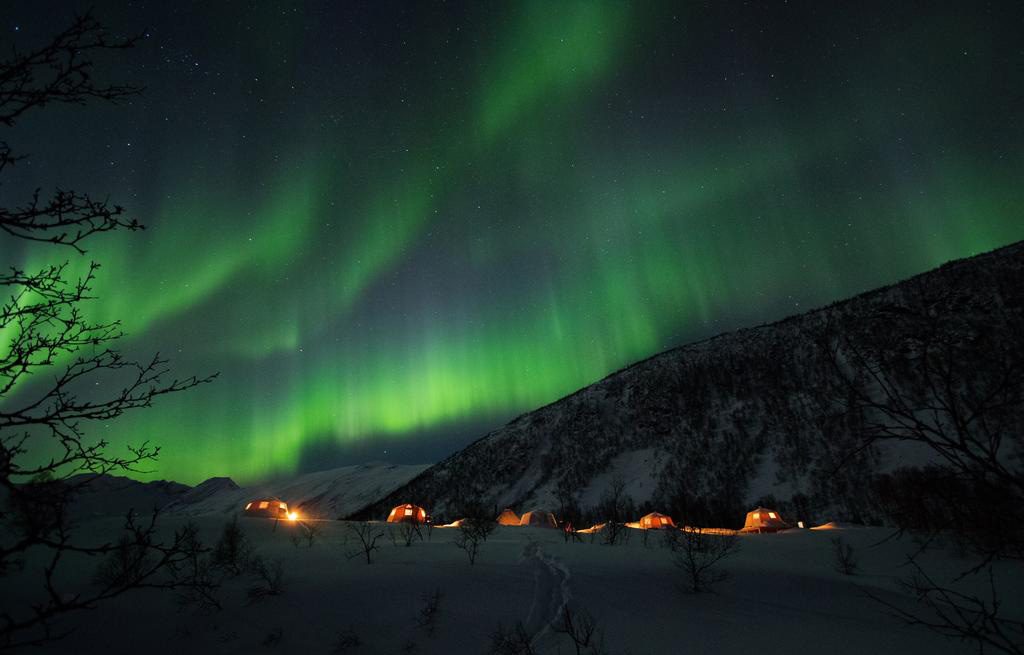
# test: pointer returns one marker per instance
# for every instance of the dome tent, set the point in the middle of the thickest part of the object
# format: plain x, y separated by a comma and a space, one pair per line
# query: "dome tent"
763, 520
267, 507
508, 517
656, 521
407, 513
539, 519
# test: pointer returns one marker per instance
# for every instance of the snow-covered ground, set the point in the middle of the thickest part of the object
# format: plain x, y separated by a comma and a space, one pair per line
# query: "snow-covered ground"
783, 596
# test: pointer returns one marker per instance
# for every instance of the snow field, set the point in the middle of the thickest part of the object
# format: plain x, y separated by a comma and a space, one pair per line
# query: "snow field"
783, 595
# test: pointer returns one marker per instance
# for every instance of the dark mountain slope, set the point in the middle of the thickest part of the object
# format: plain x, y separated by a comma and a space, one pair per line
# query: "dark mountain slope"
744, 414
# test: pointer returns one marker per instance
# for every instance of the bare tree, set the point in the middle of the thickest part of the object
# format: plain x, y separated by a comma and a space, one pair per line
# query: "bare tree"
967, 617
943, 369
566, 493
614, 532
44, 329
367, 535
268, 579
843, 558
309, 531
698, 554
136, 561
569, 534
409, 531
511, 641
198, 582
61, 71
232, 553
615, 508
581, 628
473, 532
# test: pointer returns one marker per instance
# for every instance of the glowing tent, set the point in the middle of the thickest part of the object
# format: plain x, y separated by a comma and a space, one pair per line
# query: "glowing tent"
539, 519
763, 520
655, 521
508, 517
409, 513
267, 507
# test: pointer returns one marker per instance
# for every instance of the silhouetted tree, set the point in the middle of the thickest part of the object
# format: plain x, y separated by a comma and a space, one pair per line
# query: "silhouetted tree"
268, 579
511, 641
367, 534
44, 329
699, 554
473, 532
233, 553
944, 370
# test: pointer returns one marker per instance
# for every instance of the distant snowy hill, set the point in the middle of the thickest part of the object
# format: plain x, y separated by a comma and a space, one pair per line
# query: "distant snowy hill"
727, 420
112, 495
324, 494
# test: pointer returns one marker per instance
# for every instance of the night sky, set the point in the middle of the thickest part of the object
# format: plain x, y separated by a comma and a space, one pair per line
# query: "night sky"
393, 227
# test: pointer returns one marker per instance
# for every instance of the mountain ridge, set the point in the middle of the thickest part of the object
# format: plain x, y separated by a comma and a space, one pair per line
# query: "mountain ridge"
764, 456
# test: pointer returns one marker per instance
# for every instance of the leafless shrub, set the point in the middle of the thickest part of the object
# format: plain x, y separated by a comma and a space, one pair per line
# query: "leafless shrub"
843, 558
367, 536
194, 575
962, 616
512, 641
614, 533
949, 378
429, 609
698, 555
268, 579
581, 628
345, 641
472, 534
233, 553
569, 535
309, 531
126, 564
409, 532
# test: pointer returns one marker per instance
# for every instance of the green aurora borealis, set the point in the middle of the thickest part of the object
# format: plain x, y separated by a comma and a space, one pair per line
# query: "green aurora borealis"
390, 227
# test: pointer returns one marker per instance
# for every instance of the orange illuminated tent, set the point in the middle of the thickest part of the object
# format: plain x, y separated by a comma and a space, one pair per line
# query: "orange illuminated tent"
656, 520
763, 520
539, 519
408, 513
267, 507
508, 517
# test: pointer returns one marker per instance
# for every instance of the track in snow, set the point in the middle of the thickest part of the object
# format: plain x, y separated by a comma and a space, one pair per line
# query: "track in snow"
550, 591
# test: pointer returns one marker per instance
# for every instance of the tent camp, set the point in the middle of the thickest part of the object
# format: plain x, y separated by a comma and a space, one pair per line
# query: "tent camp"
656, 520
267, 507
508, 517
409, 513
763, 520
539, 519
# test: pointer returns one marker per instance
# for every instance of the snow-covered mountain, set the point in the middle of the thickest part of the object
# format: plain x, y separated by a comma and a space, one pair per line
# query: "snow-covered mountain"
113, 495
729, 420
325, 494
